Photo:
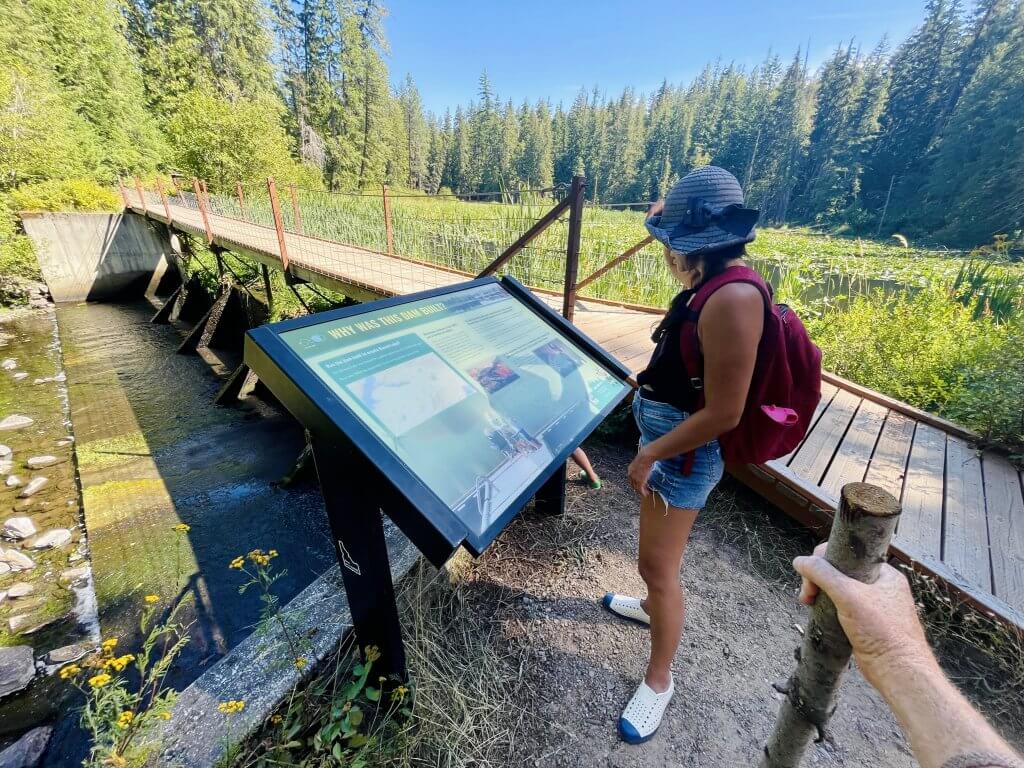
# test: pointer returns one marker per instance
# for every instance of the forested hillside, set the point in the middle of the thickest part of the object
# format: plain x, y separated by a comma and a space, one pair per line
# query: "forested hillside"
924, 138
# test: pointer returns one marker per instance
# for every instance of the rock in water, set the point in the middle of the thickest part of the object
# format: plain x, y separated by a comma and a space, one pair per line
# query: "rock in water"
74, 576
57, 537
18, 528
15, 421
21, 589
35, 484
38, 462
15, 560
13, 481
27, 751
5, 451
27, 623
9, 364
17, 668
70, 653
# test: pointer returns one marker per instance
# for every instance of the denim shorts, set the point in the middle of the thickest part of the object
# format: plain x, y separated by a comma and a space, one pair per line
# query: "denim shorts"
691, 491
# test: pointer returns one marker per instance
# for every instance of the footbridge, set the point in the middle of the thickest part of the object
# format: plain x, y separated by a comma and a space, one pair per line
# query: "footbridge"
963, 508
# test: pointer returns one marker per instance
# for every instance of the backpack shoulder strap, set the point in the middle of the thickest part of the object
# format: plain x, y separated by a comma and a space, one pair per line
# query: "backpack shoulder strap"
689, 343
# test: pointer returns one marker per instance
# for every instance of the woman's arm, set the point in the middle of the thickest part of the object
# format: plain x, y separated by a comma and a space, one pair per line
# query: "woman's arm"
730, 328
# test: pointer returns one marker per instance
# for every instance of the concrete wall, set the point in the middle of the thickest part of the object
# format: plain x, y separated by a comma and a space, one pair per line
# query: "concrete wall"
97, 256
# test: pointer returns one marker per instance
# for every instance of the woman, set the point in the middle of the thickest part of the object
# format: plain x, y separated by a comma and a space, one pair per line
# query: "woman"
704, 228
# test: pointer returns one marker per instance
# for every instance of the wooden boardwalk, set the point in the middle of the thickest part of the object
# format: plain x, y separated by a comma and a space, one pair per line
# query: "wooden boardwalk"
963, 508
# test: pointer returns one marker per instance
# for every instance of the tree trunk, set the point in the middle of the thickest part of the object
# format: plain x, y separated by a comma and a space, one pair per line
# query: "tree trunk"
857, 546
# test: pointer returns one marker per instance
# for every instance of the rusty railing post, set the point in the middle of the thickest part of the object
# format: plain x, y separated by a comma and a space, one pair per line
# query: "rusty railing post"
124, 193
295, 208
275, 207
389, 234
241, 199
202, 210
163, 199
572, 245
138, 189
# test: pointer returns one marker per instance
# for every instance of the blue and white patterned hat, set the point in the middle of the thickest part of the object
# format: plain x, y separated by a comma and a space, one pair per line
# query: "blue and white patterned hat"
704, 213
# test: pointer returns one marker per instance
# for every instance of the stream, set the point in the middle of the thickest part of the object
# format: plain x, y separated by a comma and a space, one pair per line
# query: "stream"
138, 448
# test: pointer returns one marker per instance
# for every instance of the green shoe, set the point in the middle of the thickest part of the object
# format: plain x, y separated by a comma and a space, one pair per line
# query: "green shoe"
583, 477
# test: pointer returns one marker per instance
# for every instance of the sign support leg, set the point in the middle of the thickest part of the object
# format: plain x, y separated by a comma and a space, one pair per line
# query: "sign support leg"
347, 481
550, 498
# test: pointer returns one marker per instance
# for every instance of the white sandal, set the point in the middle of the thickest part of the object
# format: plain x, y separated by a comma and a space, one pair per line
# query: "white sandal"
642, 716
626, 607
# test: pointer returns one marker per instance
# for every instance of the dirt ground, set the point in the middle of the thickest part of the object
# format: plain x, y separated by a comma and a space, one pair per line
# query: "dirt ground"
578, 666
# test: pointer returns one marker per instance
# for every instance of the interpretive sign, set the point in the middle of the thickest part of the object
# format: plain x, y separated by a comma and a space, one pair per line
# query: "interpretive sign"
446, 410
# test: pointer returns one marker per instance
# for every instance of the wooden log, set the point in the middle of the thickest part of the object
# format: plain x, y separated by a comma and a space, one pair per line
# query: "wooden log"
572, 245
275, 208
857, 546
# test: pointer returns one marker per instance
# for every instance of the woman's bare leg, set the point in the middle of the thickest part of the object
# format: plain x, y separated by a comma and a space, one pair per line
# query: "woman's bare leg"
663, 539
584, 463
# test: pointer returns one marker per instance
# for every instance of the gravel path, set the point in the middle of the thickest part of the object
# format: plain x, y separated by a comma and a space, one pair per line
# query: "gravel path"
583, 664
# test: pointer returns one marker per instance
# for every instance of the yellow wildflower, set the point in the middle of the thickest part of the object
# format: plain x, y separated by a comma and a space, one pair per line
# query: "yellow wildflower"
164, 715
119, 663
151, 598
182, 528
300, 663
276, 719
116, 761
237, 563
109, 645
125, 719
231, 707
98, 681
372, 653
69, 671
272, 554
399, 692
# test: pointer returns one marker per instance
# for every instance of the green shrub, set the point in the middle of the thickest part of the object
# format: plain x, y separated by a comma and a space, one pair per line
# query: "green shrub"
65, 195
929, 351
17, 259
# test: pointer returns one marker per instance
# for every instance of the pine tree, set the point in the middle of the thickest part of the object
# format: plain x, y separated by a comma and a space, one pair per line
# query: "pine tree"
974, 190
417, 134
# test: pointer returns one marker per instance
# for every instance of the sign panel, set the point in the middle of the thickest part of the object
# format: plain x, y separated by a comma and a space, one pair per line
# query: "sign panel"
471, 389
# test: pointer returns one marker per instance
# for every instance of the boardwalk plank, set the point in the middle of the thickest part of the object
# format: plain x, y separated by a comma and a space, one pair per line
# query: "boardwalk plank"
814, 455
851, 461
827, 393
1005, 503
965, 540
889, 463
920, 524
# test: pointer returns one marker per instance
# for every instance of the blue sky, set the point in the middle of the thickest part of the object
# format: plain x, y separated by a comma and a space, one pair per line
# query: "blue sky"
550, 48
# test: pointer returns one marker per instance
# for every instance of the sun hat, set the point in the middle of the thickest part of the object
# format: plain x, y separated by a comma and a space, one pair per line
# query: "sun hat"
704, 213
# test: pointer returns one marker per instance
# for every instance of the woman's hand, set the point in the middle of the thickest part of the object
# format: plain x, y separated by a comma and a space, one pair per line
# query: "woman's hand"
655, 209
638, 472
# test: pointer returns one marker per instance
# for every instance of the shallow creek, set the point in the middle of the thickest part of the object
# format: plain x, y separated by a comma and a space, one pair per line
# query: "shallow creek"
150, 451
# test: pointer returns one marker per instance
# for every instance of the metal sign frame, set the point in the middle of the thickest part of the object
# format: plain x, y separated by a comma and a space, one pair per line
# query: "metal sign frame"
427, 520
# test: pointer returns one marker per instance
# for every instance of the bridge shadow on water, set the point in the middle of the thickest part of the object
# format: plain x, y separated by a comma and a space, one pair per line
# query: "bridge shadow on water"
154, 451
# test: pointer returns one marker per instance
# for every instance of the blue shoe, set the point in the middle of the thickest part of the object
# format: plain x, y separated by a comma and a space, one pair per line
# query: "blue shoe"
642, 716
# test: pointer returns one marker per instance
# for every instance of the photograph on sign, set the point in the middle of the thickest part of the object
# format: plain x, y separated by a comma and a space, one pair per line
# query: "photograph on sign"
471, 390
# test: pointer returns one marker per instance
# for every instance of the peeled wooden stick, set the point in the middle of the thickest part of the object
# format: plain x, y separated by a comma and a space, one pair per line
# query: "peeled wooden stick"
857, 546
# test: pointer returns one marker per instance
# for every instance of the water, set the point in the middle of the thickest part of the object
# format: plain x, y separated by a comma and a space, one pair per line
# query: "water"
153, 451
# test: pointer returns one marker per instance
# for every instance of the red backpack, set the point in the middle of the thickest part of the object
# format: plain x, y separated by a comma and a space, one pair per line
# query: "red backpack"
786, 385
